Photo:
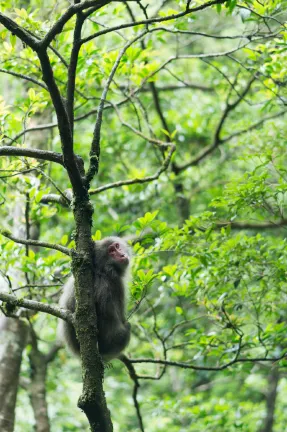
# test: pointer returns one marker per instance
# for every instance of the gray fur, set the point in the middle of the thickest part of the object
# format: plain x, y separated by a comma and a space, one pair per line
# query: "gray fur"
110, 299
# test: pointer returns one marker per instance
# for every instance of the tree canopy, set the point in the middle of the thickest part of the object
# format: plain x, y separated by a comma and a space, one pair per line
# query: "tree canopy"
164, 123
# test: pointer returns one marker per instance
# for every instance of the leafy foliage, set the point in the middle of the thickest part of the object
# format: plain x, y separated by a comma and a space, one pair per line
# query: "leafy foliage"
208, 290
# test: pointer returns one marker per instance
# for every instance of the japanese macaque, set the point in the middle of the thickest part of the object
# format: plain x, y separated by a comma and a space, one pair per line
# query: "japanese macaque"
112, 258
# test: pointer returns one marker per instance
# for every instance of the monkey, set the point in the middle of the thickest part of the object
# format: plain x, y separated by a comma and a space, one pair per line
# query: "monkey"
112, 259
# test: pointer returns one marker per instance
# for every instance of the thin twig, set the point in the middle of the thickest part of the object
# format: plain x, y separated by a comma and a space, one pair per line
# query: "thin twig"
210, 368
134, 377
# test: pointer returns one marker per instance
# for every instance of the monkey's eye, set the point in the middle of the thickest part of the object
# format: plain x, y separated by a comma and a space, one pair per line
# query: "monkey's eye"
117, 245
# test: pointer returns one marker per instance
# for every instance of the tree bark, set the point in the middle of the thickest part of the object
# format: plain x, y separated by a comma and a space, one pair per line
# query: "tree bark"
273, 380
13, 335
183, 203
37, 390
13, 339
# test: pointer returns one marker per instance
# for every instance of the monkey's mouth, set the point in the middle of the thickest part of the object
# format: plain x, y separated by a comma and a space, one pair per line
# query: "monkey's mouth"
124, 259
118, 255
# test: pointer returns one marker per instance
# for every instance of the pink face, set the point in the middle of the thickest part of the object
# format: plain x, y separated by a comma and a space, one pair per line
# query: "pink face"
116, 251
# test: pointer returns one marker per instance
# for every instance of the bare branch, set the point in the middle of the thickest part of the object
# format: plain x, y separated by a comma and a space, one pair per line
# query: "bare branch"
32, 153
253, 126
70, 12
182, 57
153, 20
73, 67
95, 147
217, 140
54, 198
157, 142
31, 242
208, 150
24, 77
186, 85
32, 129
37, 306
134, 377
230, 107
209, 368
63, 125
263, 17
253, 226
18, 31
182, 324
56, 52
195, 33
120, 183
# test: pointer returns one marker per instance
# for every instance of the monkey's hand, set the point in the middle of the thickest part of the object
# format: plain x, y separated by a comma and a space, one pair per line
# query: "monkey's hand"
127, 325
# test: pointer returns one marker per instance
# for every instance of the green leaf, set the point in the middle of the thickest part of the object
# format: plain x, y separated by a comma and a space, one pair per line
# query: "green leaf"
97, 236
64, 239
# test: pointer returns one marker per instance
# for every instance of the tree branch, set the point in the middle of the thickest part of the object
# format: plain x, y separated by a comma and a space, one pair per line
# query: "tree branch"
70, 12
95, 146
209, 368
92, 112
31, 242
120, 183
253, 226
54, 198
37, 306
20, 32
217, 140
157, 142
73, 67
195, 33
253, 126
32, 153
133, 375
32, 129
63, 125
171, 87
153, 20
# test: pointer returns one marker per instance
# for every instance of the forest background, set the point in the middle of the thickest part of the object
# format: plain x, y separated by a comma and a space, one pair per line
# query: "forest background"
162, 122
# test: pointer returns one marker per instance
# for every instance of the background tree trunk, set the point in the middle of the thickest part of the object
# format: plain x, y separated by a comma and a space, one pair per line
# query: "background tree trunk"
13, 335
37, 390
273, 380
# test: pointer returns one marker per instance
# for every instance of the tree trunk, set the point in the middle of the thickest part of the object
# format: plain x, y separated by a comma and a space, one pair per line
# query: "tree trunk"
183, 203
37, 390
273, 380
13, 334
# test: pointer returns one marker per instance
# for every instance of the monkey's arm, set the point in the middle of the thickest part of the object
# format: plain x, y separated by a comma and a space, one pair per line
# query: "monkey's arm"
67, 299
66, 332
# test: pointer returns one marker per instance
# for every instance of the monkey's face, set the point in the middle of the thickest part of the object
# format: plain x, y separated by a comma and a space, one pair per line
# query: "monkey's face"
112, 254
117, 252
